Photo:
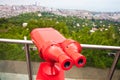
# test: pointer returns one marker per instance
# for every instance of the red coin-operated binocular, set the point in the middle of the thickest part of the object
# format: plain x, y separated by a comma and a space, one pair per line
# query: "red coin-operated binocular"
59, 53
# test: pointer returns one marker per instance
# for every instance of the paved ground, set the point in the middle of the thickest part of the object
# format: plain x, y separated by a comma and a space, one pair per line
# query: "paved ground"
18, 69
13, 76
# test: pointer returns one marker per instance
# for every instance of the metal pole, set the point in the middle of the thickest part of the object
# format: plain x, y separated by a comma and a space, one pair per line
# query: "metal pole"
29, 69
89, 46
112, 70
28, 61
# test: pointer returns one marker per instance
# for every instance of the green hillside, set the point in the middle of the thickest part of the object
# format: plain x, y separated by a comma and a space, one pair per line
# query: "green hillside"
85, 31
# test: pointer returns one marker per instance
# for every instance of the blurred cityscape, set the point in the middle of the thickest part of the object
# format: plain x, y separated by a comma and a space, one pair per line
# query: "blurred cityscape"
14, 10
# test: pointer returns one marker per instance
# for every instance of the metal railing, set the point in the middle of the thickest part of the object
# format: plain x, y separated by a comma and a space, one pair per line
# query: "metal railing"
29, 42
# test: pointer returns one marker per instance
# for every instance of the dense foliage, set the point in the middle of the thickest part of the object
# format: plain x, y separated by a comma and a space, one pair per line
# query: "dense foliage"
85, 31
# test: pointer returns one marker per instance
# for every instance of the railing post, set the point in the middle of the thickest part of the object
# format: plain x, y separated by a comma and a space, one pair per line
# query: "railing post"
29, 69
112, 70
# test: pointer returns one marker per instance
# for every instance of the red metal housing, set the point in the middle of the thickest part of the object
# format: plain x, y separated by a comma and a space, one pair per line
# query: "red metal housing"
59, 52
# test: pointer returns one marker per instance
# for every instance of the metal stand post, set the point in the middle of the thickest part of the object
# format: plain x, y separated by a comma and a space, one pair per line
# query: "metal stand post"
112, 70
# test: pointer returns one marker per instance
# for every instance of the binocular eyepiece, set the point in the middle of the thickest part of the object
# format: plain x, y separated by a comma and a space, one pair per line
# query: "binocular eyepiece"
73, 50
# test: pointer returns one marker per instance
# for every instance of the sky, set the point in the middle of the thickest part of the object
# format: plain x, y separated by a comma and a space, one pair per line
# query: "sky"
91, 5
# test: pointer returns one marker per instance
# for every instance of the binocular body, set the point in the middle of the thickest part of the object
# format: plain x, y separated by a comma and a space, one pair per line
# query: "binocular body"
58, 52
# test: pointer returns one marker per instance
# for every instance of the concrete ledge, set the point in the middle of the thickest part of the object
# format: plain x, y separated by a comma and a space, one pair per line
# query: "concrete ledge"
86, 73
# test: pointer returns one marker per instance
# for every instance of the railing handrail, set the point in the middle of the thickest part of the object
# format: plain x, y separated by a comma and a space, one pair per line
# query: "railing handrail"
83, 45
16, 41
